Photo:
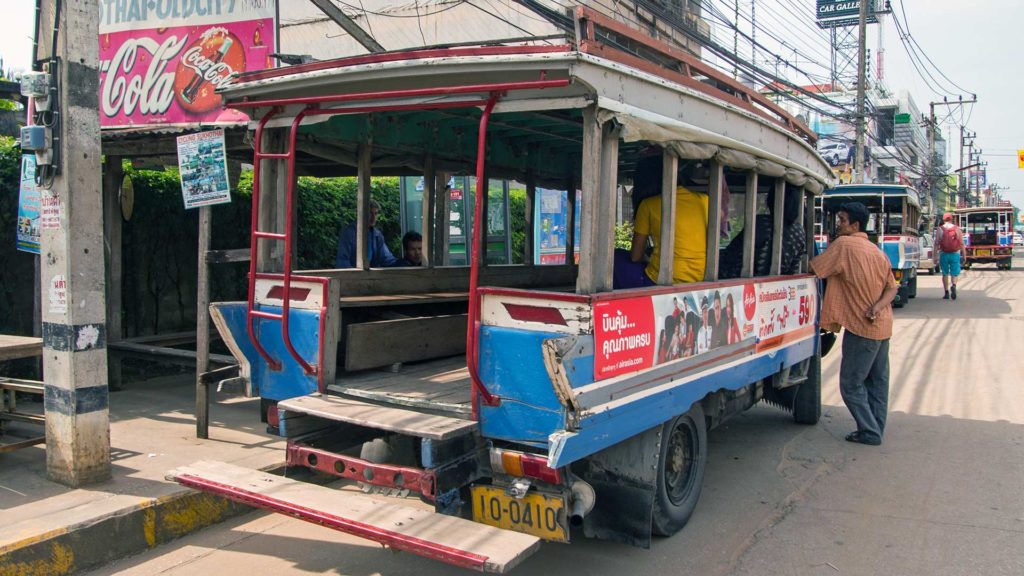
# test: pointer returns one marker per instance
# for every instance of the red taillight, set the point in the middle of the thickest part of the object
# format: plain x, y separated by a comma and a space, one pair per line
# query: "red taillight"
520, 464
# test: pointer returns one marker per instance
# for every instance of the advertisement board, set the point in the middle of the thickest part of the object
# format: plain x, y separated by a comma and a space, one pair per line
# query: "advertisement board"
161, 61
725, 322
843, 12
550, 233
28, 207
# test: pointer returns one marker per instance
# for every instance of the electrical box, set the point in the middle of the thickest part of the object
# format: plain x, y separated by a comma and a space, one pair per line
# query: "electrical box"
35, 84
33, 138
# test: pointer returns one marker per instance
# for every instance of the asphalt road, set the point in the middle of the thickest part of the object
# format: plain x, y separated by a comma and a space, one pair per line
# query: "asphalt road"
943, 495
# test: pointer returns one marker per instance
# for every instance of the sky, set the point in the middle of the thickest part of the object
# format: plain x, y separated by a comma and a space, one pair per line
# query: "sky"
973, 44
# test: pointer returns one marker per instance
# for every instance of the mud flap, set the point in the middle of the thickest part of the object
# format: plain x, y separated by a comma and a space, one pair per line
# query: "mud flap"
624, 477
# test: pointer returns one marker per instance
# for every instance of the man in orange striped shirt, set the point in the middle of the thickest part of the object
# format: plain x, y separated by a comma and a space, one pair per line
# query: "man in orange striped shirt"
859, 297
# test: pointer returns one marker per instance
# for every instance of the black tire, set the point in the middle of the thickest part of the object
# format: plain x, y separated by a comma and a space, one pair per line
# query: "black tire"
901, 298
683, 458
912, 288
807, 401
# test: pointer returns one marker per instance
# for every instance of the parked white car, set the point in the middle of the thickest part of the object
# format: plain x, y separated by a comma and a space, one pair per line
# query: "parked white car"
929, 256
1018, 239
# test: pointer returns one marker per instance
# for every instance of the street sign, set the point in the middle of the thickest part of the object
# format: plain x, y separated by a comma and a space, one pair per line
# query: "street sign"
1020, 159
902, 118
838, 13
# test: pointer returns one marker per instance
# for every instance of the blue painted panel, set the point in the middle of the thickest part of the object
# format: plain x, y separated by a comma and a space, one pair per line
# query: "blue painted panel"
512, 366
291, 380
892, 252
612, 426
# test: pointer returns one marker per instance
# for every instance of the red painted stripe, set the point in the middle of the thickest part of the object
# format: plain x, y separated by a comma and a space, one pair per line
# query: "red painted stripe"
397, 541
397, 56
401, 477
296, 293
539, 314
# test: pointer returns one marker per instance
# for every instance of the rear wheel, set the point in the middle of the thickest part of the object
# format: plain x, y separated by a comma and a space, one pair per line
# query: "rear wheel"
901, 298
683, 458
912, 288
807, 401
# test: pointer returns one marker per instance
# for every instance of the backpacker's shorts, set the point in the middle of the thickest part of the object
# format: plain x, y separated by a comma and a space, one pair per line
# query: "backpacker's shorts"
949, 262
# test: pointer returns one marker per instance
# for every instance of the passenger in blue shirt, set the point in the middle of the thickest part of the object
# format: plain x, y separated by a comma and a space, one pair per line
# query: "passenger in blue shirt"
380, 255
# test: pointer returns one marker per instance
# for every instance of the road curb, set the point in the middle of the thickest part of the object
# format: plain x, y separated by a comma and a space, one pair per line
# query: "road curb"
116, 535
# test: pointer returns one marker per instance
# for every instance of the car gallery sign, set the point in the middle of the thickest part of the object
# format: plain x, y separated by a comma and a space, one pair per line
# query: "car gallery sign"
829, 10
161, 61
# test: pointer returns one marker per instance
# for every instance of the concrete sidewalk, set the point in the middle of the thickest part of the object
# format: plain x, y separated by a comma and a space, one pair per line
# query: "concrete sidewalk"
47, 528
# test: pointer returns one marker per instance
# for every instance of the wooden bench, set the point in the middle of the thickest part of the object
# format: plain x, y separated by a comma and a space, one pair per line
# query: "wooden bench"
396, 315
12, 348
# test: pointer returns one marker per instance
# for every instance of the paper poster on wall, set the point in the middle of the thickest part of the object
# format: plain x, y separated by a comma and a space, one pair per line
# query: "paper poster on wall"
203, 165
51, 210
58, 295
28, 207
551, 231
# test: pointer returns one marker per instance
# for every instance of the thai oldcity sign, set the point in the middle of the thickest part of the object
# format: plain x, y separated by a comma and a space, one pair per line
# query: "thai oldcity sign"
162, 60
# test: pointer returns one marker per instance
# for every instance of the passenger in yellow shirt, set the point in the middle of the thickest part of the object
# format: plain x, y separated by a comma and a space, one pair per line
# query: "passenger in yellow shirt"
690, 250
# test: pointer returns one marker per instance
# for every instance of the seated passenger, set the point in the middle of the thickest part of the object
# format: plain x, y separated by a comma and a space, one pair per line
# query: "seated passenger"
412, 250
794, 242
379, 253
690, 249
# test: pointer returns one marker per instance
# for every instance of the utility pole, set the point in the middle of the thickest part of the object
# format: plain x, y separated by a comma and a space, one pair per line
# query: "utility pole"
858, 168
74, 310
933, 164
966, 141
736, 39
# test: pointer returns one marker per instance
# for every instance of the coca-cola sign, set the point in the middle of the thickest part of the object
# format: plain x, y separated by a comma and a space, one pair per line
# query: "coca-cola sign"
160, 67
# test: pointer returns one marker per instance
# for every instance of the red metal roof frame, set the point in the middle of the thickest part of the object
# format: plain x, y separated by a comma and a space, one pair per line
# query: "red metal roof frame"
397, 56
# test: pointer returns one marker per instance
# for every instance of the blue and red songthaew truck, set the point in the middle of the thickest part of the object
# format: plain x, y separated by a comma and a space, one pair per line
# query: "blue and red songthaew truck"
521, 403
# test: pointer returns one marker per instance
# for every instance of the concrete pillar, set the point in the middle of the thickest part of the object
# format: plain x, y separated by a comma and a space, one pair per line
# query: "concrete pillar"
74, 309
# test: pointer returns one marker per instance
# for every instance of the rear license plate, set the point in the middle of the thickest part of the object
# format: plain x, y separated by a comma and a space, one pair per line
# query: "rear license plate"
983, 253
536, 514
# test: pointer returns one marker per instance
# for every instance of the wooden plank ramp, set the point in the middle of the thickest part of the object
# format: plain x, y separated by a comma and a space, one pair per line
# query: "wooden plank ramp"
386, 418
446, 538
13, 347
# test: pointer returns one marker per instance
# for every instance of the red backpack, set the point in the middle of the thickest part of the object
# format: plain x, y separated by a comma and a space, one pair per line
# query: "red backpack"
949, 239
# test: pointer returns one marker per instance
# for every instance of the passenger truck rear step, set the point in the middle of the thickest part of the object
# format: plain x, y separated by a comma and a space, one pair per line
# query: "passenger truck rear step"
446, 538
400, 420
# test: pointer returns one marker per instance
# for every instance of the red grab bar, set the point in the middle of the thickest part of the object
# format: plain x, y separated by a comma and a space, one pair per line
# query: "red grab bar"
480, 392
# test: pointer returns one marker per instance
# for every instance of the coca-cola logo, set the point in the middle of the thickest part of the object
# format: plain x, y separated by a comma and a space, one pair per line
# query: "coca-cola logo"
149, 91
216, 73
204, 67
749, 300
